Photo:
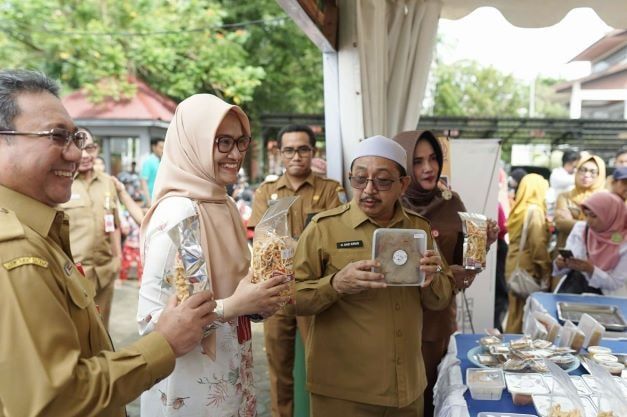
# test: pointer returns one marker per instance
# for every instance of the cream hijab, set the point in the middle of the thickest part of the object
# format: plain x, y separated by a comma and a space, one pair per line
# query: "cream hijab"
187, 169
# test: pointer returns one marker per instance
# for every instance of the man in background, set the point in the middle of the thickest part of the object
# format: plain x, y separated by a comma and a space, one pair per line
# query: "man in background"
150, 167
297, 145
95, 226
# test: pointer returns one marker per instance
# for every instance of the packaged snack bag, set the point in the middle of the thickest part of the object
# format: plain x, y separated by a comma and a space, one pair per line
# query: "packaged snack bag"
475, 228
273, 245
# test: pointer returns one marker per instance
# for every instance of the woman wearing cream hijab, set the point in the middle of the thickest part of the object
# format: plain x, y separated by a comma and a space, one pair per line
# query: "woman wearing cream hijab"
204, 149
589, 178
534, 258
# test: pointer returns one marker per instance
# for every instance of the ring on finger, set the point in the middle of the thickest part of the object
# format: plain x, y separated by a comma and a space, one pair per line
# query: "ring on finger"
438, 268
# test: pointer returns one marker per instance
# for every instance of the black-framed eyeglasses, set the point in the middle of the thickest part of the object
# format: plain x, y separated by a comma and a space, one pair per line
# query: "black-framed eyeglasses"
592, 171
62, 137
227, 143
302, 151
381, 184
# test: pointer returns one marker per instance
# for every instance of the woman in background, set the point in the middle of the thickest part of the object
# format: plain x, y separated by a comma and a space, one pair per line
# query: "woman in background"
440, 206
589, 178
599, 245
534, 258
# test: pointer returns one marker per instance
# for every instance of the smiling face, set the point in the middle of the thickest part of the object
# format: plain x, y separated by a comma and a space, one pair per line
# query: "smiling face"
37, 166
378, 204
227, 165
425, 165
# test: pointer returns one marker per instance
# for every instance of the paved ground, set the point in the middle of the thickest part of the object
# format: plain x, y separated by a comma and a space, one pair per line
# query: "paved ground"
124, 331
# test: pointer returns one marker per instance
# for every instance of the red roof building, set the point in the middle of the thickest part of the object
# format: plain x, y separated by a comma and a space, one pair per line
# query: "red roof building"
125, 127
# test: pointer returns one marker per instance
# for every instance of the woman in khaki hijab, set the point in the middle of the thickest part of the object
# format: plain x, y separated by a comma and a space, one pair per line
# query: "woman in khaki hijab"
195, 223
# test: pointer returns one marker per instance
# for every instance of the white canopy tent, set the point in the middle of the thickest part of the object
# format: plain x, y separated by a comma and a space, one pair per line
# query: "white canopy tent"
376, 75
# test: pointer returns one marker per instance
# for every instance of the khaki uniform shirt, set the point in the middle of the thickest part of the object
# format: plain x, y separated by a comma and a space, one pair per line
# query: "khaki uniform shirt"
56, 358
363, 347
91, 245
316, 195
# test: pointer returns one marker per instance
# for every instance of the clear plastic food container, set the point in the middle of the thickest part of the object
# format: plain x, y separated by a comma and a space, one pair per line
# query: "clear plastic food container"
523, 386
399, 251
502, 414
578, 382
485, 384
544, 402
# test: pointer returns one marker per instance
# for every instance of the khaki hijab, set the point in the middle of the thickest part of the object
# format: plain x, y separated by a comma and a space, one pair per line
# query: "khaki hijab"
187, 170
579, 194
531, 191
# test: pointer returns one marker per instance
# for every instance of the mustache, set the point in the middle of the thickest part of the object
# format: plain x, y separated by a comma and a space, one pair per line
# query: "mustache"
377, 200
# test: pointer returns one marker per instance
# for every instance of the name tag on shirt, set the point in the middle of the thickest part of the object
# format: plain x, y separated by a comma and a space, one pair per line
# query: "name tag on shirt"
350, 244
109, 223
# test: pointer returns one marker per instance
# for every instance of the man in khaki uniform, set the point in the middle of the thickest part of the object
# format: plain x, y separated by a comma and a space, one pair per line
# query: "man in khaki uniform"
56, 357
364, 347
94, 227
297, 145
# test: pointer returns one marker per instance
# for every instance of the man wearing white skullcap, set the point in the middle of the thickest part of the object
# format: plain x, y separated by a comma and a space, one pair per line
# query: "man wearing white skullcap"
364, 346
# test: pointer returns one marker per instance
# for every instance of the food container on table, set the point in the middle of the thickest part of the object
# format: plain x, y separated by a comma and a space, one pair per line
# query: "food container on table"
578, 382
614, 368
485, 384
544, 402
594, 350
523, 386
502, 414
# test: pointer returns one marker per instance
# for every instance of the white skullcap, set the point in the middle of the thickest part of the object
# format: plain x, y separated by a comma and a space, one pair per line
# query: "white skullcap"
382, 147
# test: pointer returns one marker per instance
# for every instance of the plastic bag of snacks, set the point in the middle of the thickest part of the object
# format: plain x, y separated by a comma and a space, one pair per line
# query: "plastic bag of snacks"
475, 228
187, 269
273, 245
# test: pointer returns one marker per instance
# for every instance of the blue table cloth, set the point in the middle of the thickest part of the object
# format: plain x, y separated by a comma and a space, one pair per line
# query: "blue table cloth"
549, 301
465, 342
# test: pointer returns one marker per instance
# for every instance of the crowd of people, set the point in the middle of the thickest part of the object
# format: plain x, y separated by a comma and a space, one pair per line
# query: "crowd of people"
372, 349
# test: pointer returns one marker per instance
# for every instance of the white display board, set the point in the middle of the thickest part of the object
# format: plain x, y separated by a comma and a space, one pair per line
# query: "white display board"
474, 176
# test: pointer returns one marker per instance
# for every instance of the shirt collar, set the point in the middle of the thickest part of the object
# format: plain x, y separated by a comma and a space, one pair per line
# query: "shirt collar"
33, 213
357, 217
283, 181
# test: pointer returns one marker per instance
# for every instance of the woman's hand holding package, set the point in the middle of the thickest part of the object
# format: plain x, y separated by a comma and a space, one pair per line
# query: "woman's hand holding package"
182, 324
463, 277
430, 264
261, 298
492, 232
579, 265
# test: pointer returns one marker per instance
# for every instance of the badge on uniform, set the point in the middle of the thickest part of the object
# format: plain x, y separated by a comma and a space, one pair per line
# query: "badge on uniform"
67, 268
273, 199
350, 244
25, 260
109, 223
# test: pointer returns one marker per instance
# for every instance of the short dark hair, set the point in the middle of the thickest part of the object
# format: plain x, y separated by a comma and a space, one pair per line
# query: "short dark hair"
570, 155
297, 128
155, 141
14, 82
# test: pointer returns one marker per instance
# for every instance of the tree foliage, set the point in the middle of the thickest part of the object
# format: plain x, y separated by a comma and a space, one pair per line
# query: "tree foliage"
292, 63
466, 88
178, 47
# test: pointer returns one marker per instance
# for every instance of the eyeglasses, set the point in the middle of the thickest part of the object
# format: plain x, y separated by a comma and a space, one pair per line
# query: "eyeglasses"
91, 148
592, 171
381, 184
302, 151
227, 143
62, 137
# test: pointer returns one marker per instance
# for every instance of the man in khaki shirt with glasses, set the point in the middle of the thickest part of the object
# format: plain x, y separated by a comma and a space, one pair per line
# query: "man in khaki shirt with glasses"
56, 357
364, 347
95, 227
297, 144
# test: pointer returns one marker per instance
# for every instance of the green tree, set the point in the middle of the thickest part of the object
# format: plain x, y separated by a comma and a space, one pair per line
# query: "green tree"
547, 104
465, 88
177, 47
292, 63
